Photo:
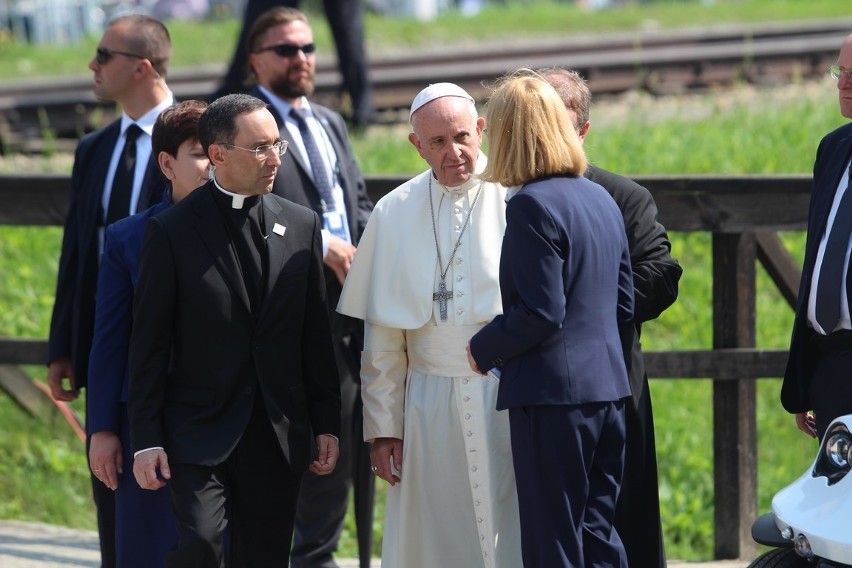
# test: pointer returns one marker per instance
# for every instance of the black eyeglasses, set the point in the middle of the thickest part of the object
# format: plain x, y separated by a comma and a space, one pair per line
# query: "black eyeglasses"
261, 152
289, 49
103, 55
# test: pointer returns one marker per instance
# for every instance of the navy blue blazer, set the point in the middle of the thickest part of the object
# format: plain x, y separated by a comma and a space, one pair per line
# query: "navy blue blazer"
109, 372
566, 284
832, 158
73, 320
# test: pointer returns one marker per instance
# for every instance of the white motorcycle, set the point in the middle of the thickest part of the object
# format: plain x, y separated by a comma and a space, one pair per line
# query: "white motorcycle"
811, 520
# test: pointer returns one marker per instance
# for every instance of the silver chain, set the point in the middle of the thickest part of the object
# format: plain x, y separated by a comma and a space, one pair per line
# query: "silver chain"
435, 229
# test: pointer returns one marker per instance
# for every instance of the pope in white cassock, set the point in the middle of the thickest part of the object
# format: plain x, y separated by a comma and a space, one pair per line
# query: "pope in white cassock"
424, 280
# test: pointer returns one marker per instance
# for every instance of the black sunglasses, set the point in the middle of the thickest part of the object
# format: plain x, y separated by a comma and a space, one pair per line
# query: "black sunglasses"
103, 55
289, 49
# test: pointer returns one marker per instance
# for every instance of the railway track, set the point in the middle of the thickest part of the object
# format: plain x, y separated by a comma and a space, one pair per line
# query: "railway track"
661, 62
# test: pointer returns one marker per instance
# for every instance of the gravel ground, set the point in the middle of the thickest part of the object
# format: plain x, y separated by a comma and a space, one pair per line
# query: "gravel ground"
34, 545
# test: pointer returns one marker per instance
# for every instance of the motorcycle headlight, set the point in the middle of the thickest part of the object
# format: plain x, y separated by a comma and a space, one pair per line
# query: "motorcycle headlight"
835, 460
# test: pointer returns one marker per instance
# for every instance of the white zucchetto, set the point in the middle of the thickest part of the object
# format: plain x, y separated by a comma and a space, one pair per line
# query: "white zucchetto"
436, 91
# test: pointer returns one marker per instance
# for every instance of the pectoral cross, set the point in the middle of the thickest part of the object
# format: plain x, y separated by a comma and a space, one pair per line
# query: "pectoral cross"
441, 296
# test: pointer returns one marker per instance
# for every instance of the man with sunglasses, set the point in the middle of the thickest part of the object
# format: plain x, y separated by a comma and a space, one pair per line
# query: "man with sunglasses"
346, 20
231, 362
817, 387
114, 176
320, 172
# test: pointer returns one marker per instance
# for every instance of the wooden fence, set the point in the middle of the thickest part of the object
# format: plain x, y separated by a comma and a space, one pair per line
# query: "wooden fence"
743, 214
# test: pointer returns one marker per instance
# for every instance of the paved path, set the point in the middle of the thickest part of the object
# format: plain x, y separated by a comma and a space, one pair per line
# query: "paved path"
33, 545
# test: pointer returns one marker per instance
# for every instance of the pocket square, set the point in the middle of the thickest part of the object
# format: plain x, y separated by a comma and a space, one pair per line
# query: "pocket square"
279, 229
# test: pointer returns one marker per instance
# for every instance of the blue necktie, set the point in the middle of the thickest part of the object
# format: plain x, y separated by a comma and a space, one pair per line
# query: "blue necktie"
833, 261
315, 158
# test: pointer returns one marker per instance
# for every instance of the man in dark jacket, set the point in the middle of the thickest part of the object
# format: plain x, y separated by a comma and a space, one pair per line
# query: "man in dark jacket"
655, 281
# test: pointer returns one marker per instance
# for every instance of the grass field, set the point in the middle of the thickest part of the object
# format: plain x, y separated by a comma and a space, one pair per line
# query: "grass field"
768, 133
745, 131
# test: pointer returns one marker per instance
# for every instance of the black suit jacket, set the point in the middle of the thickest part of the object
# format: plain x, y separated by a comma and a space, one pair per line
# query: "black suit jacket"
293, 182
831, 160
198, 354
655, 273
73, 321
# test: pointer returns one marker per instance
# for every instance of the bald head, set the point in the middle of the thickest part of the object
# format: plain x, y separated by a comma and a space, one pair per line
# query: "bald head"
573, 91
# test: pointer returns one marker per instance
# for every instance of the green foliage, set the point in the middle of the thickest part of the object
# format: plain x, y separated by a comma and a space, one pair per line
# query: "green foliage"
28, 261
636, 134
42, 475
747, 131
387, 151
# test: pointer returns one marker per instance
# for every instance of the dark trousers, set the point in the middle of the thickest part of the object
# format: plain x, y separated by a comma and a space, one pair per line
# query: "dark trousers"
568, 466
830, 388
252, 493
104, 500
323, 500
637, 514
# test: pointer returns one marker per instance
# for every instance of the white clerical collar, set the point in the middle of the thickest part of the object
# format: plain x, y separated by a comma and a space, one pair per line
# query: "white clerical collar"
237, 199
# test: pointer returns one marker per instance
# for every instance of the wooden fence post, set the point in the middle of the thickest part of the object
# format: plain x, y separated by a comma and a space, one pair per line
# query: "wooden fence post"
734, 424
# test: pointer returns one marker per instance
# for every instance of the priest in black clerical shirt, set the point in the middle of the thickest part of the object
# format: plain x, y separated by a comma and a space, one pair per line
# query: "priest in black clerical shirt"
244, 220
231, 360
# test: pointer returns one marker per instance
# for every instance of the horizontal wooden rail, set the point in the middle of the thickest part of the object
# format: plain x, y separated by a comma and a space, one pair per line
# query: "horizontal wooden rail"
14, 351
718, 364
743, 214
719, 204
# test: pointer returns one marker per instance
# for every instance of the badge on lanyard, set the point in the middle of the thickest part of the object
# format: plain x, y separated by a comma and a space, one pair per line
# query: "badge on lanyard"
333, 222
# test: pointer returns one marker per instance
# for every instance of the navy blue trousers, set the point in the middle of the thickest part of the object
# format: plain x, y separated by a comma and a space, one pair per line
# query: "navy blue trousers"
145, 526
569, 462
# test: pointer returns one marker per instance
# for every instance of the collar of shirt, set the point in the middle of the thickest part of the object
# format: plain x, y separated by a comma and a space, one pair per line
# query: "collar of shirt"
283, 107
237, 199
147, 120
512, 191
321, 137
327, 151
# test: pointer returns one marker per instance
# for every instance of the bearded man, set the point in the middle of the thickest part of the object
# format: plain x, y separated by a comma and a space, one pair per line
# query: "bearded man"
320, 172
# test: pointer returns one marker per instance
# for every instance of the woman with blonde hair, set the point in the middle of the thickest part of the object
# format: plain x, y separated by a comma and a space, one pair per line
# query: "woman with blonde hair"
566, 284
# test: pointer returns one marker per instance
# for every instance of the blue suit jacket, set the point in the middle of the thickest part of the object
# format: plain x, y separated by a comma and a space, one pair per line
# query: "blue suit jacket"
831, 160
566, 284
72, 323
109, 375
